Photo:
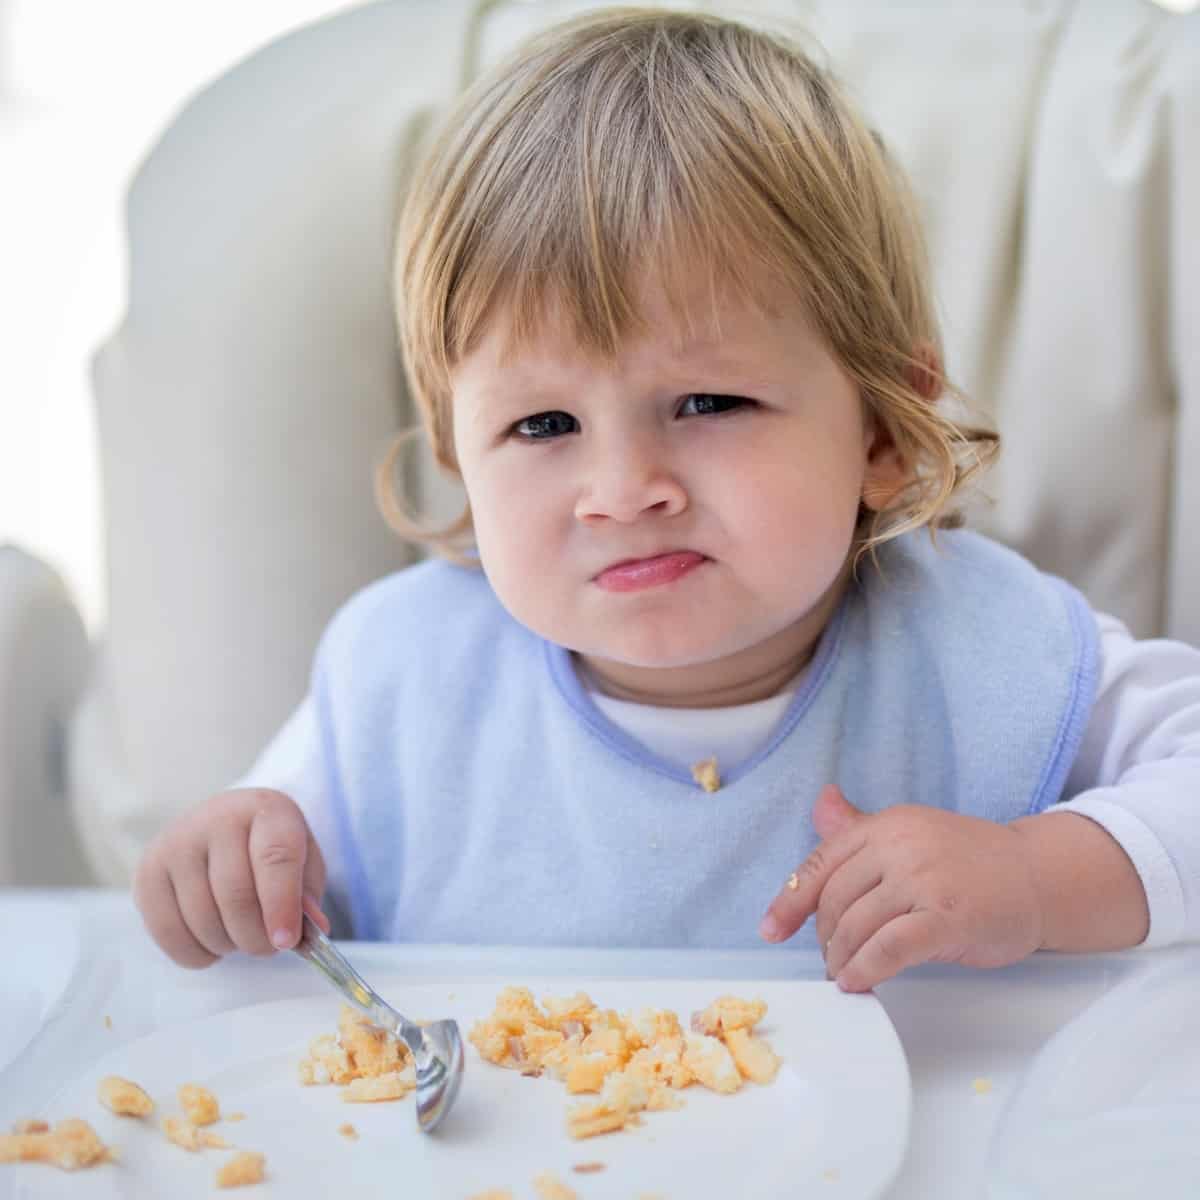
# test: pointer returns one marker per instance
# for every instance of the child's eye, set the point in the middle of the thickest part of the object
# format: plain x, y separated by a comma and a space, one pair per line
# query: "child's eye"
544, 426
706, 404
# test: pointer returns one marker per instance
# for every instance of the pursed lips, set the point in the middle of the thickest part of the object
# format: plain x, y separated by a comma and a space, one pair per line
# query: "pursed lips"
636, 574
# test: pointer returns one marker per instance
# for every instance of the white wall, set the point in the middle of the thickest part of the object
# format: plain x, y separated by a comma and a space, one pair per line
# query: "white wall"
84, 88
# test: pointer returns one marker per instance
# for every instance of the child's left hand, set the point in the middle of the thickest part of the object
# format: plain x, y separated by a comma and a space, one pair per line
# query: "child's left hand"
910, 885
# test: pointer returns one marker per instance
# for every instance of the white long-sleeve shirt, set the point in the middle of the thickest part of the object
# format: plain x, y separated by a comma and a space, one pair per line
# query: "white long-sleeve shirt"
1141, 748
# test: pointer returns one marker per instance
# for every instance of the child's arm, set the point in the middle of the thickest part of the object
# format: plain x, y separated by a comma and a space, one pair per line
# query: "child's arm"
1091, 897
231, 875
911, 884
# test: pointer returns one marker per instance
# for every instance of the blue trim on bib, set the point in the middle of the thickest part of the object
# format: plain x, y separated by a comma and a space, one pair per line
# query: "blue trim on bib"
1085, 680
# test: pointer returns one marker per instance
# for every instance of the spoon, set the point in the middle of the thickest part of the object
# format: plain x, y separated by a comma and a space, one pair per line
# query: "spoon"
436, 1049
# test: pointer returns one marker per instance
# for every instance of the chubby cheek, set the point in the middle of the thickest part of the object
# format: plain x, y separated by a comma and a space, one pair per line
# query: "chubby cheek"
792, 538
522, 543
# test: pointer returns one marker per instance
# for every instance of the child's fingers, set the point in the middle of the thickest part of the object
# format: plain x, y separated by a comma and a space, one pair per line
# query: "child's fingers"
236, 890
278, 851
313, 908
797, 900
314, 882
858, 924
197, 905
849, 883
154, 895
905, 941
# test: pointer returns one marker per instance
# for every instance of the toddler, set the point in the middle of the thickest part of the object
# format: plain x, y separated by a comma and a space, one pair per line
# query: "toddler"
693, 668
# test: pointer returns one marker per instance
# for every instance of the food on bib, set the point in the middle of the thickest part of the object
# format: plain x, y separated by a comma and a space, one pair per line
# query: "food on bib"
705, 773
633, 1062
71, 1144
124, 1097
242, 1169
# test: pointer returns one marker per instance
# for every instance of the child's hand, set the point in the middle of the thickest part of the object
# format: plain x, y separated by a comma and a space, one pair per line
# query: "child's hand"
910, 885
231, 875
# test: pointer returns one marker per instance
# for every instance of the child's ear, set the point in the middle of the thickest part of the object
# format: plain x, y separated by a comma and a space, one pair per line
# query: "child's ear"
888, 471
925, 374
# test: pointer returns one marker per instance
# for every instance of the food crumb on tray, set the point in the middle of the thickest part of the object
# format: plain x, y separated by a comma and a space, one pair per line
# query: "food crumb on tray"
124, 1097
636, 1062
242, 1169
70, 1145
549, 1187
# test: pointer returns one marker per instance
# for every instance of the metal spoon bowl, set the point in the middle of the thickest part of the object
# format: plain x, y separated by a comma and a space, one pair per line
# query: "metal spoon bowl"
437, 1049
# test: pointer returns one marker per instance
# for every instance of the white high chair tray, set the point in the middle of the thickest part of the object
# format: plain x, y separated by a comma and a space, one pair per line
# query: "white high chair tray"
837, 1114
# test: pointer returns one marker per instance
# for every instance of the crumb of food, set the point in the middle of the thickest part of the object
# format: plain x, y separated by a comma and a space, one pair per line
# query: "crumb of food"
124, 1097
233, 1118
705, 773
71, 1144
726, 1013
754, 1059
633, 1062
348, 1131
199, 1104
243, 1169
549, 1187
793, 881
108, 1023
183, 1133
981, 1086
31, 1125
493, 1194
588, 1168
359, 1050
372, 1089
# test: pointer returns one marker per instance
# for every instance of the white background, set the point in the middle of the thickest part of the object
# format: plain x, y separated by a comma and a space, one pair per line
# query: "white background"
85, 87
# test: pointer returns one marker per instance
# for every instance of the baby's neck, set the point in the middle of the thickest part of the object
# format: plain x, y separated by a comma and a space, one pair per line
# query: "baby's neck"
687, 688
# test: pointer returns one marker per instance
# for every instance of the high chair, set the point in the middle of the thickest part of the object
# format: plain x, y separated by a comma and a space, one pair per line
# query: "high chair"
255, 380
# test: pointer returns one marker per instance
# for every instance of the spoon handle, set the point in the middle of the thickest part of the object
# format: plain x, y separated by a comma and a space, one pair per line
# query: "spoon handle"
317, 949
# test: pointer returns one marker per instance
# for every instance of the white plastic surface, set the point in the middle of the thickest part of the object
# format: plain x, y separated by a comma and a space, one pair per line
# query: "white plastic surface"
836, 1116
1110, 1108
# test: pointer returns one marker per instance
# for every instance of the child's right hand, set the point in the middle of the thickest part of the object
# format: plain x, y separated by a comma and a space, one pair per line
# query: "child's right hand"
231, 875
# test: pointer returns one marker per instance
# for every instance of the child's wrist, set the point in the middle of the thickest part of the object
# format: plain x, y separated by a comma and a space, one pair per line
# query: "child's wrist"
1089, 895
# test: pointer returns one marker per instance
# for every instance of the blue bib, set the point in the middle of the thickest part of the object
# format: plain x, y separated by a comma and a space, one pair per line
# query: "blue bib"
481, 797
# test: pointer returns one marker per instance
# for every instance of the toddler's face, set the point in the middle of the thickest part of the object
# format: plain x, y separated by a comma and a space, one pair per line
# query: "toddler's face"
681, 516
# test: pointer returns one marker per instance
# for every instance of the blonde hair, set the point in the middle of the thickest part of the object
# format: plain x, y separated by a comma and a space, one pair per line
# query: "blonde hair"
629, 139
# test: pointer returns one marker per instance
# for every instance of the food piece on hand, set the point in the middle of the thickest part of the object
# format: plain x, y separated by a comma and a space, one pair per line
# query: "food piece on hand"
71, 1144
199, 1104
242, 1169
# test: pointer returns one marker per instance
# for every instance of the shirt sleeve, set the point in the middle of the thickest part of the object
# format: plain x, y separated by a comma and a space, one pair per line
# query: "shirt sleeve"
1137, 773
292, 763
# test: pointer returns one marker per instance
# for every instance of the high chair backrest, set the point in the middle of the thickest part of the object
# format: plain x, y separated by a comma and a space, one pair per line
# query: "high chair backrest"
254, 382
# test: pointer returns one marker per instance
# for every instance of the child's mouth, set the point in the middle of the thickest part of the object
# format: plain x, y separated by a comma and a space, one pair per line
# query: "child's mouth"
637, 574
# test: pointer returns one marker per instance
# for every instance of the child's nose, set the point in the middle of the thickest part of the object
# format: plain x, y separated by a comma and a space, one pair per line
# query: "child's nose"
628, 483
